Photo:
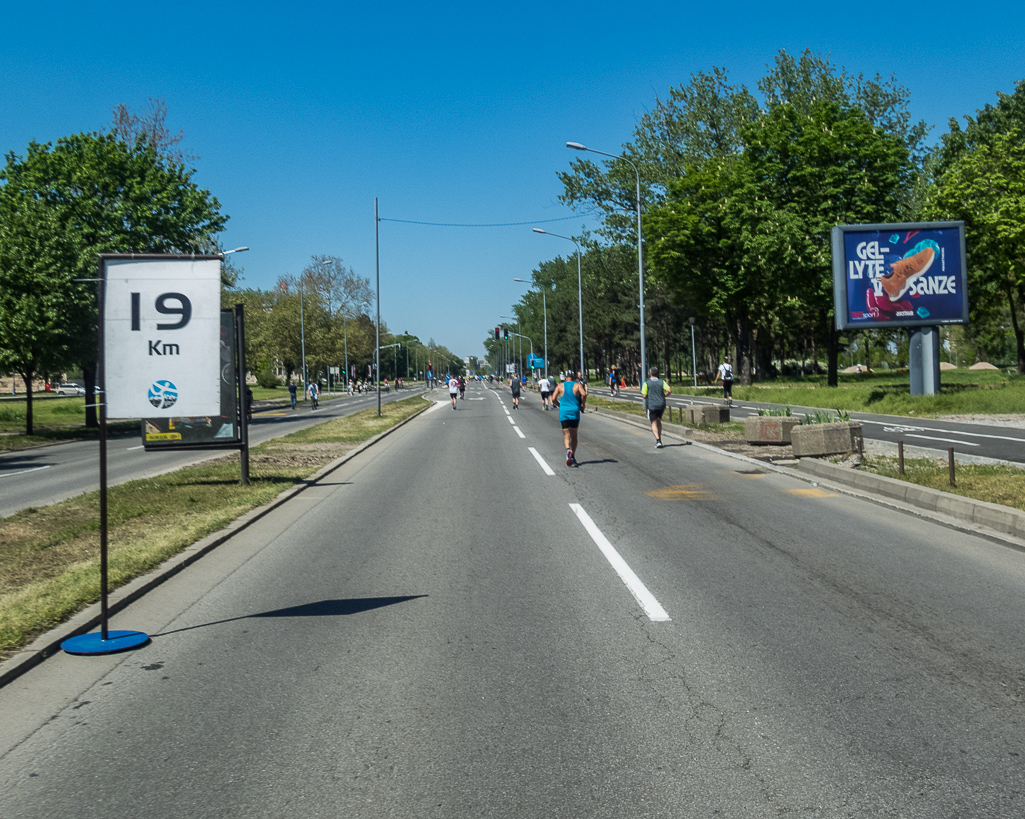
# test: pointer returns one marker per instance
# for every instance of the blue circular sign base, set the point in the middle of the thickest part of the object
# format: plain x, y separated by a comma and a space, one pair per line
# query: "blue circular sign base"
95, 644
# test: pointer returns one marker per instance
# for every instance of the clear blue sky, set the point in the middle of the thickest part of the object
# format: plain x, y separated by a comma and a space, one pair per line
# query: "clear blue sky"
302, 113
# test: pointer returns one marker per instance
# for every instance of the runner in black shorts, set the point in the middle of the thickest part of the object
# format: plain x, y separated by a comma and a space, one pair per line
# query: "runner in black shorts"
514, 387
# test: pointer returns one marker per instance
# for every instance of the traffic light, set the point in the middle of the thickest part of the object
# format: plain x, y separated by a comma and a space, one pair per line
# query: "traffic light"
506, 333
497, 334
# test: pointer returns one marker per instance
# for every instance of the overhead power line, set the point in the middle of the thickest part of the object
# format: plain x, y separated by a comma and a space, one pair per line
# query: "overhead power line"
497, 224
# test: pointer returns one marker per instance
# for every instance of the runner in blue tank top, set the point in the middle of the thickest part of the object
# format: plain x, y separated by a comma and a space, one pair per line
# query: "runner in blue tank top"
571, 398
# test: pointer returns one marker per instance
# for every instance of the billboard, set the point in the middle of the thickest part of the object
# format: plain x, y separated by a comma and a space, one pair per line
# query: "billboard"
221, 429
161, 326
899, 275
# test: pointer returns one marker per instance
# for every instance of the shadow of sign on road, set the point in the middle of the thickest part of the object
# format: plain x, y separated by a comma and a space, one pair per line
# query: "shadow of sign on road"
321, 608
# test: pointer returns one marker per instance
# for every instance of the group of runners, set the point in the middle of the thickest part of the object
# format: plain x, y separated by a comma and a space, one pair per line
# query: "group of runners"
570, 397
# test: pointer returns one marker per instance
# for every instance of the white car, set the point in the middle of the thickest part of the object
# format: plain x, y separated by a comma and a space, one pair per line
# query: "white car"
70, 389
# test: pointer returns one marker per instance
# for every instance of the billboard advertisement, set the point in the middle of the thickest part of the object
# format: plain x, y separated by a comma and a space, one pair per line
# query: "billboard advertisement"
222, 428
899, 275
161, 327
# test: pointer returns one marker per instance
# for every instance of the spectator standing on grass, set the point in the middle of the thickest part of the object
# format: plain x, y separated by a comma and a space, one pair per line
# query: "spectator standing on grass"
654, 392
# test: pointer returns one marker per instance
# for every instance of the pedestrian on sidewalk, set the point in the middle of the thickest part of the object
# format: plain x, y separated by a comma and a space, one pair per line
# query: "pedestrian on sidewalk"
292, 392
725, 372
654, 392
571, 397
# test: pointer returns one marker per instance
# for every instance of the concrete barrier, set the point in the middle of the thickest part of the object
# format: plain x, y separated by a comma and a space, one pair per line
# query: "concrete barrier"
769, 429
813, 440
708, 414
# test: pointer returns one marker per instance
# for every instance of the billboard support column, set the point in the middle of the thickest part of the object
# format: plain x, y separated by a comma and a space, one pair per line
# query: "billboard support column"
924, 360
240, 345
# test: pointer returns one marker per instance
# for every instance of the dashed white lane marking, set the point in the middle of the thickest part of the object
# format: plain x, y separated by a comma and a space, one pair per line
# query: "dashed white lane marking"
647, 600
537, 457
511, 421
519, 431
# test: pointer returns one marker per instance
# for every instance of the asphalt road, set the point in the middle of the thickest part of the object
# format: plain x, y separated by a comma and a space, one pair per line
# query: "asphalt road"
433, 631
46, 475
1002, 443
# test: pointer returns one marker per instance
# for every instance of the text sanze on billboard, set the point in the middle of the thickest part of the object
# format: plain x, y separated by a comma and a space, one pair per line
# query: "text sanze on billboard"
161, 328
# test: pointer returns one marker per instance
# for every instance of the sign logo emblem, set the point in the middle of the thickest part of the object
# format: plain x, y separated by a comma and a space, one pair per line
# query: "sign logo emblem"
163, 394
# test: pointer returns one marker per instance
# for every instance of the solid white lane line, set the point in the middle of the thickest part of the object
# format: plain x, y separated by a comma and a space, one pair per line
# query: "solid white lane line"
911, 428
548, 470
133, 448
947, 440
647, 600
519, 431
36, 469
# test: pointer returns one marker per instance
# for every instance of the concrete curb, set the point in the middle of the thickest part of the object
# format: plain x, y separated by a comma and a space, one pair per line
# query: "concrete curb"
89, 618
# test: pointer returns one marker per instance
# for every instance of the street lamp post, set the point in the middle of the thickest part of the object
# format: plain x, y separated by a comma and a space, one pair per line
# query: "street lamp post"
580, 296
576, 146
377, 266
544, 306
693, 354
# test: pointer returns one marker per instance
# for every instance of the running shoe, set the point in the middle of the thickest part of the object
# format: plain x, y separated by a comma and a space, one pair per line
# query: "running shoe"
658, 444
569, 458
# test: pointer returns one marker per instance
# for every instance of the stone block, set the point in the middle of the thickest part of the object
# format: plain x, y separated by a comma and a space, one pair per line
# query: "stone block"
769, 429
708, 414
819, 440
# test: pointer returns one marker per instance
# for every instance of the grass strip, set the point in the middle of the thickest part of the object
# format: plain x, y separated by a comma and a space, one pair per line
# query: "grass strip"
49, 557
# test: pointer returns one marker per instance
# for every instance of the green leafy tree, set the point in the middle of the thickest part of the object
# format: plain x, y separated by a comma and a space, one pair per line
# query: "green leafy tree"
43, 311
985, 187
93, 193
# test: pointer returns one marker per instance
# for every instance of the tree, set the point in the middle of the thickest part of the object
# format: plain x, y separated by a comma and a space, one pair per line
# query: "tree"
343, 292
152, 127
985, 187
44, 313
97, 194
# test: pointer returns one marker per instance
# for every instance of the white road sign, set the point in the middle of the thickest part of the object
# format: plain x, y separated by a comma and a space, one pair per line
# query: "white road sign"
161, 327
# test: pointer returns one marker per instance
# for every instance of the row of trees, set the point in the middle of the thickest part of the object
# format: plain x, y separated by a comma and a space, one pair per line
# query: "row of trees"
739, 194
324, 311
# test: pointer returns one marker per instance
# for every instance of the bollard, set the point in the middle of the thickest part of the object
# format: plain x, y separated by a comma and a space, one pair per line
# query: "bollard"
900, 457
950, 464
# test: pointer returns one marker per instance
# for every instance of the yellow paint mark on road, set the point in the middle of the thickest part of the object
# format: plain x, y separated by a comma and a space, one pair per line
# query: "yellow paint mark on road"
689, 491
812, 493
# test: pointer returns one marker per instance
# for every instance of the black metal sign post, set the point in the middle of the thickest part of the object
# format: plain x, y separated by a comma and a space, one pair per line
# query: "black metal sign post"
240, 345
105, 641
